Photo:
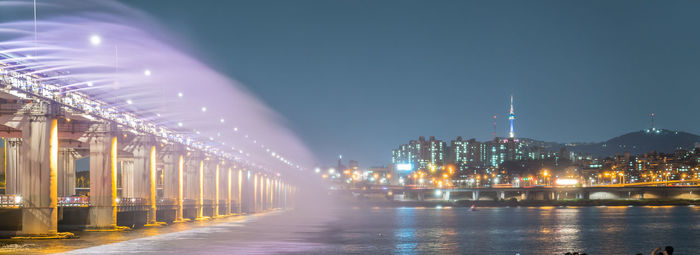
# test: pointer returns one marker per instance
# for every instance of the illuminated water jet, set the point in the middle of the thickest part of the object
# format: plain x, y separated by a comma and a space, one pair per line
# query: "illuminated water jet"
116, 55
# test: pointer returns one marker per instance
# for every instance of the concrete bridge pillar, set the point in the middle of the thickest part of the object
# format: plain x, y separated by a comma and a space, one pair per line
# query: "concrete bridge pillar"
246, 191
273, 193
247, 202
502, 195
208, 185
173, 168
255, 192
280, 193
145, 175
103, 179
215, 181
263, 193
13, 164
192, 182
199, 190
127, 170
38, 182
239, 192
475, 195
229, 197
259, 189
190, 177
287, 196
267, 195
66, 172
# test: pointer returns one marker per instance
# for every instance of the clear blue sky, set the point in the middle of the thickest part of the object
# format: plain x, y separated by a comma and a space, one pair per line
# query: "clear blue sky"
359, 77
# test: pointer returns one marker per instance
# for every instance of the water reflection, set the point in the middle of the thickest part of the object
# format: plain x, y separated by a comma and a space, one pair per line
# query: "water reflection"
405, 236
595, 230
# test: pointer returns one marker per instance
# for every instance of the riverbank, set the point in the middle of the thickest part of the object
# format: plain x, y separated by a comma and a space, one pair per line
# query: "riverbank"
525, 203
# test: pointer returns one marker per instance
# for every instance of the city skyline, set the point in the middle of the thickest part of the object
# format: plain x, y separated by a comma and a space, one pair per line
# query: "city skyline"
407, 69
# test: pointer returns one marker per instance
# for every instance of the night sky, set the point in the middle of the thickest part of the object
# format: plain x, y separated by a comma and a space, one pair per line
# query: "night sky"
359, 78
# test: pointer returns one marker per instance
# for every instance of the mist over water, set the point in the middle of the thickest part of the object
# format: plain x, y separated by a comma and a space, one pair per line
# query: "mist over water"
121, 56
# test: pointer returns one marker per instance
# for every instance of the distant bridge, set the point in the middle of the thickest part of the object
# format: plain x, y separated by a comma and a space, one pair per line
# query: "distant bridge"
632, 192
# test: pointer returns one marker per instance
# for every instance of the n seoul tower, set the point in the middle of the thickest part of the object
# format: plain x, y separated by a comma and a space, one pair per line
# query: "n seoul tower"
511, 117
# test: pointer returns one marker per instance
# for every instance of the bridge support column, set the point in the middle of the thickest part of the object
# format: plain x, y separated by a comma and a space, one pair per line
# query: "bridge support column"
279, 194
475, 195
261, 193
254, 193
127, 170
199, 191
280, 198
66, 172
145, 176
195, 183
103, 180
173, 168
239, 193
273, 193
228, 191
38, 182
266, 193
13, 165
216, 183
502, 195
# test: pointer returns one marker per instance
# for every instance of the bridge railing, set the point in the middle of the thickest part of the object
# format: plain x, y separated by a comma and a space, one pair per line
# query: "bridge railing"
131, 201
166, 201
10, 201
74, 201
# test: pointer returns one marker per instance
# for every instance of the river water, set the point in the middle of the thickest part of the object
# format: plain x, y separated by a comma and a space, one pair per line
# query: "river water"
355, 230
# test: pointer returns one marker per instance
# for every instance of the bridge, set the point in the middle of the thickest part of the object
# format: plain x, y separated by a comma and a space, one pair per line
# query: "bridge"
604, 192
140, 172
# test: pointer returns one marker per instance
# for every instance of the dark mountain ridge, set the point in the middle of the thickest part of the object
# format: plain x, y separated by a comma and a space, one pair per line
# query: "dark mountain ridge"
639, 142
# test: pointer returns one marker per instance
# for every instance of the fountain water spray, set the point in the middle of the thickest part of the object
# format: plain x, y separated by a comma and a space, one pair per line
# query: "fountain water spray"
112, 61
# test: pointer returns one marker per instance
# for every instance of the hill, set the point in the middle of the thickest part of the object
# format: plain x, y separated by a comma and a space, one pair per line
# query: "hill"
639, 142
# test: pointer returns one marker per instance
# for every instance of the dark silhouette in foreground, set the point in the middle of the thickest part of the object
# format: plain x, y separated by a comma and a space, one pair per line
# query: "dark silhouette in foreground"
668, 250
